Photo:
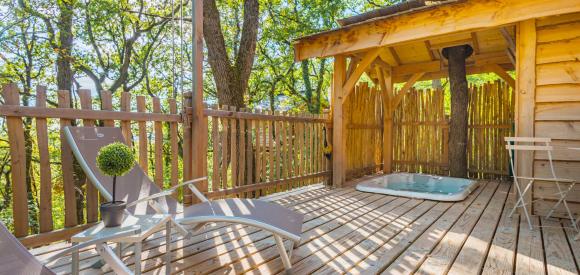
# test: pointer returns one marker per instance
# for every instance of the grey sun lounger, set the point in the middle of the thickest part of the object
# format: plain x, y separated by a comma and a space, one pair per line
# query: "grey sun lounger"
15, 259
143, 196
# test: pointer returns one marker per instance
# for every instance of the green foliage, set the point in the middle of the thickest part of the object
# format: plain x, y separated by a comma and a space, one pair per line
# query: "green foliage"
115, 159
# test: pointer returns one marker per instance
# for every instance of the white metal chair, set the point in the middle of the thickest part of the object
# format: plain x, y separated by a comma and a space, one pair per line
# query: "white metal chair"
528, 144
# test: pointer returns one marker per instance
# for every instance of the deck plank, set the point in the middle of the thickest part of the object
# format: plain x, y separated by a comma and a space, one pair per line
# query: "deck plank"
530, 252
346, 231
312, 228
474, 251
559, 259
444, 254
413, 257
362, 250
317, 237
501, 257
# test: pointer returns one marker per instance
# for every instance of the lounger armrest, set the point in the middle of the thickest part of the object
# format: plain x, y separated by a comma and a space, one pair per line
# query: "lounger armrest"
548, 179
80, 246
167, 192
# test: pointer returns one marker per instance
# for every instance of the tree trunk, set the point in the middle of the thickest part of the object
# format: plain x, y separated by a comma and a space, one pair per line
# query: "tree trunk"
458, 124
64, 73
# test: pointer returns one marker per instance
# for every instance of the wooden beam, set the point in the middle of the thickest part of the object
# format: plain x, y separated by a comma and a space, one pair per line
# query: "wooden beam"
525, 97
395, 55
369, 57
339, 123
468, 15
475, 43
408, 85
386, 56
387, 87
429, 50
67, 113
508, 39
501, 72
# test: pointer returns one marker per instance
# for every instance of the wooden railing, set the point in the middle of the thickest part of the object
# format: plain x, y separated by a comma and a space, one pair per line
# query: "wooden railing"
421, 131
250, 154
257, 153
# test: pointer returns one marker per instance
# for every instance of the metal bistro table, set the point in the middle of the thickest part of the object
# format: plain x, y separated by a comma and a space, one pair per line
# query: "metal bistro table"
145, 225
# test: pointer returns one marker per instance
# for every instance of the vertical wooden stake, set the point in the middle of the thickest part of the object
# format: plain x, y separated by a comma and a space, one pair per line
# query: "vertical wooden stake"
70, 204
143, 157
18, 162
92, 198
46, 223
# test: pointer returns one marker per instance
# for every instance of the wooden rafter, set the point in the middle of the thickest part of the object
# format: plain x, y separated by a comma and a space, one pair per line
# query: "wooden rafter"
395, 55
501, 72
466, 15
408, 85
362, 67
430, 50
475, 43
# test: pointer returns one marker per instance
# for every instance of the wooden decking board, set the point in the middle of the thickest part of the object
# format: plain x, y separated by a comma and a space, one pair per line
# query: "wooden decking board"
574, 244
530, 251
346, 231
444, 254
559, 259
414, 256
501, 255
328, 205
383, 216
155, 246
400, 242
325, 233
372, 241
319, 214
474, 251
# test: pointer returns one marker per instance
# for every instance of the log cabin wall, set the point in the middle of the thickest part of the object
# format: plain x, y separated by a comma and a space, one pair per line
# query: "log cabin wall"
557, 105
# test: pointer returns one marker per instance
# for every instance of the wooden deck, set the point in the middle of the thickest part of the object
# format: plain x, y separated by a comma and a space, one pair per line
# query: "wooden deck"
346, 231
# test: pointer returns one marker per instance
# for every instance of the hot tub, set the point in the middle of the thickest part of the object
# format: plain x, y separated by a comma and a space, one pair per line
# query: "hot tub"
420, 186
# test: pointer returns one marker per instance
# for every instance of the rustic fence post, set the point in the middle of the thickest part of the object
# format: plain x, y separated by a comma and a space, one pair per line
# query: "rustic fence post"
17, 160
91, 192
70, 204
46, 223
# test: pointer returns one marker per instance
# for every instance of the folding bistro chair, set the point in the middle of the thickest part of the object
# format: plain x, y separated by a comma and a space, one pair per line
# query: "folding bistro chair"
143, 196
16, 259
528, 144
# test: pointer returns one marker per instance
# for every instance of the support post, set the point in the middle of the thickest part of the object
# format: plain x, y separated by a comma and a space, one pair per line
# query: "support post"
525, 98
198, 121
387, 86
338, 139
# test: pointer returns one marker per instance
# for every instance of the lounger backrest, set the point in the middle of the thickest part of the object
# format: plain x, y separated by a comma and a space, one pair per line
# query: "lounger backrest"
86, 142
15, 258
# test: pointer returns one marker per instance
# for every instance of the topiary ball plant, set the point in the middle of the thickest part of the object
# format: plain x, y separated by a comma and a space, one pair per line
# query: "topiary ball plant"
115, 159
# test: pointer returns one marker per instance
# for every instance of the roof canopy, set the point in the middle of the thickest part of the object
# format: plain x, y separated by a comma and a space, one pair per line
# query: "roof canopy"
427, 23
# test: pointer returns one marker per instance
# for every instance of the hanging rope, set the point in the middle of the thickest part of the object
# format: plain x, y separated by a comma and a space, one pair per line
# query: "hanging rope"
327, 147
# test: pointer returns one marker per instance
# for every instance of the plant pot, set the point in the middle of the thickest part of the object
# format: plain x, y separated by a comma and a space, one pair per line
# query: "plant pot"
113, 213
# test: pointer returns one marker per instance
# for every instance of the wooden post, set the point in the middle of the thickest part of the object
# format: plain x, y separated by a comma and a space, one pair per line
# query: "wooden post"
198, 120
387, 121
92, 193
158, 153
187, 142
143, 154
46, 223
70, 204
125, 124
17, 160
338, 138
525, 97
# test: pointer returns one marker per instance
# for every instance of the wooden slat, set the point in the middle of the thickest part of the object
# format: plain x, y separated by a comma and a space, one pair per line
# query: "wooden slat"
558, 93
225, 149
70, 202
560, 51
558, 73
21, 111
559, 32
216, 157
18, 164
234, 148
46, 223
259, 116
530, 256
143, 140
92, 194
107, 105
174, 145
158, 144
126, 124
559, 258
558, 111
558, 129
241, 151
